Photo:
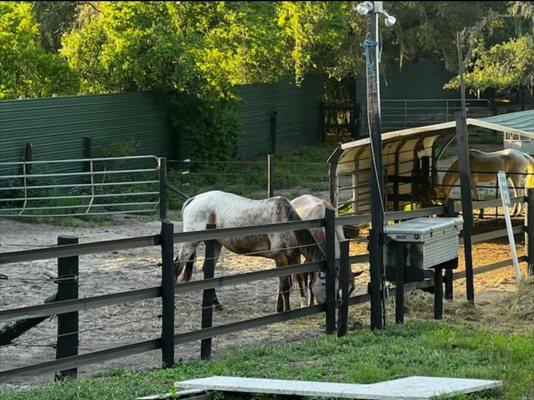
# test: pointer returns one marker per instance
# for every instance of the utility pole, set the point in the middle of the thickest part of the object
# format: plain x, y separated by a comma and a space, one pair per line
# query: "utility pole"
377, 285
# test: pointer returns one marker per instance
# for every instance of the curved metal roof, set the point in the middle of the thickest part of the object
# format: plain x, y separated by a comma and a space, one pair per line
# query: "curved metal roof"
401, 148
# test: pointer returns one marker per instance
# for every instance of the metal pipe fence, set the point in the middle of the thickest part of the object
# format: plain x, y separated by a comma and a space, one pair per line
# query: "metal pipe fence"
255, 179
138, 184
79, 187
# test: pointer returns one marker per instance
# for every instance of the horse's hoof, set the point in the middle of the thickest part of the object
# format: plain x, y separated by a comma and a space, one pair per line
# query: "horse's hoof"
218, 307
303, 303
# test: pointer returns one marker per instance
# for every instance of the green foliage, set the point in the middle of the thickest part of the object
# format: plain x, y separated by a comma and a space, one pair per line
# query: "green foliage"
416, 348
505, 65
54, 18
194, 53
26, 68
118, 148
500, 52
428, 28
210, 126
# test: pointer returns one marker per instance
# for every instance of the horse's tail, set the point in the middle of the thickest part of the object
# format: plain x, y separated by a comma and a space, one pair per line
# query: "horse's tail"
186, 203
529, 184
310, 248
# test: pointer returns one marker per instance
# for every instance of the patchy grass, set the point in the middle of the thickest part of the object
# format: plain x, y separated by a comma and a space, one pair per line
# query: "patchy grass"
417, 348
305, 167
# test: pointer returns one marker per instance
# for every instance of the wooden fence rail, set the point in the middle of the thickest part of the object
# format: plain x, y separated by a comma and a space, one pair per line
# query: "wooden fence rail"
168, 289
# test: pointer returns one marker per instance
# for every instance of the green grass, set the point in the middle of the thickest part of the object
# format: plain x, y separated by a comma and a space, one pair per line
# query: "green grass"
305, 167
417, 348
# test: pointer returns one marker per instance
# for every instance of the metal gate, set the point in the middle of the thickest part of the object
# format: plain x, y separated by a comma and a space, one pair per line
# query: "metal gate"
80, 187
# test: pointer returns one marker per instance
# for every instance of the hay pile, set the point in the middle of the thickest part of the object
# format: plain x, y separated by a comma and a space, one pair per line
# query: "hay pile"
496, 310
521, 304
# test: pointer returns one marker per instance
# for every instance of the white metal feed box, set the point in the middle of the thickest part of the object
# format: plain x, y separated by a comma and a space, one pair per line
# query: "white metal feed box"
430, 241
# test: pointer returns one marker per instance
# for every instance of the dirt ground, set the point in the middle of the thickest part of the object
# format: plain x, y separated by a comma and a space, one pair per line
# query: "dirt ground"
101, 328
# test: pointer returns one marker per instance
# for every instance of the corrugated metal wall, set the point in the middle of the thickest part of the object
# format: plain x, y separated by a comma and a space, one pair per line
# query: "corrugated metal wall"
57, 126
297, 115
422, 80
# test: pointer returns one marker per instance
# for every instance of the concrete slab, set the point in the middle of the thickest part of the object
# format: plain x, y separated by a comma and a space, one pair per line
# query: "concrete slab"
411, 388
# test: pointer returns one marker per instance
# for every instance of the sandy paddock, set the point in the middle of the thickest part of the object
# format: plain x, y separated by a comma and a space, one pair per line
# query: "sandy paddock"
101, 328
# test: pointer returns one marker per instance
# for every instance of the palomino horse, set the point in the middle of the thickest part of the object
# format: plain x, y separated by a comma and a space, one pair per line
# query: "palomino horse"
227, 210
484, 167
310, 207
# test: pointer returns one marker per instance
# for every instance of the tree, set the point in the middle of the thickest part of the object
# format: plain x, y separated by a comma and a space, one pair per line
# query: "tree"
54, 18
501, 50
427, 29
505, 65
26, 68
196, 52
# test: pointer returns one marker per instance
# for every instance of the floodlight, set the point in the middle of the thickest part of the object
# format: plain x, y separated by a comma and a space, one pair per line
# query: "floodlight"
364, 8
390, 19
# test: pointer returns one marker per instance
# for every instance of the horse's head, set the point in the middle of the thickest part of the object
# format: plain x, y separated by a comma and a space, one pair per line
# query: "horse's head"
440, 193
318, 285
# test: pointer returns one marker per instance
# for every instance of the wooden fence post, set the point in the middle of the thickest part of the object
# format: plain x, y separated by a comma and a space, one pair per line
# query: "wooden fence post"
167, 294
272, 131
28, 156
400, 270
67, 324
330, 261
87, 152
530, 232
162, 188
321, 129
208, 295
332, 167
438, 292
270, 175
426, 180
344, 277
462, 146
449, 279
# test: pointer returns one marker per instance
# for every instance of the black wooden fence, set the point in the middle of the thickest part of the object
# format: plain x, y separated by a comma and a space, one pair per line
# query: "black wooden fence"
68, 359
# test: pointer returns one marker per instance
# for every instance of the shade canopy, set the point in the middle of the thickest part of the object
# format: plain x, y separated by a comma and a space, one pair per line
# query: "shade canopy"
402, 151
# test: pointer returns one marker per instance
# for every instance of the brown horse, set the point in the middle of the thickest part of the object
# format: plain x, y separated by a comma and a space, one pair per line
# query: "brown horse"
311, 284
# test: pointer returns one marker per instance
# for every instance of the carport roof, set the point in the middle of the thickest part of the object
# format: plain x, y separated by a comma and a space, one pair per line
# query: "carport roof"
399, 148
521, 122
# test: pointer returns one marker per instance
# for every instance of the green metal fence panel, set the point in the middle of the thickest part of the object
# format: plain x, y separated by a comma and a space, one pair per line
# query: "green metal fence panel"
57, 126
297, 115
421, 80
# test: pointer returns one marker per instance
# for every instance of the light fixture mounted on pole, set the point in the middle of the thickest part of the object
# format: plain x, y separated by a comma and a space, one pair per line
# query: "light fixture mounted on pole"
377, 286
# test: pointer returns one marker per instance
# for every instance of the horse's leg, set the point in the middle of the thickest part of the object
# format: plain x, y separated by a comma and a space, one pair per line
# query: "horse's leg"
286, 288
185, 258
518, 191
303, 295
216, 254
188, 270
476, 195
300, 278
284, 285
309, 279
